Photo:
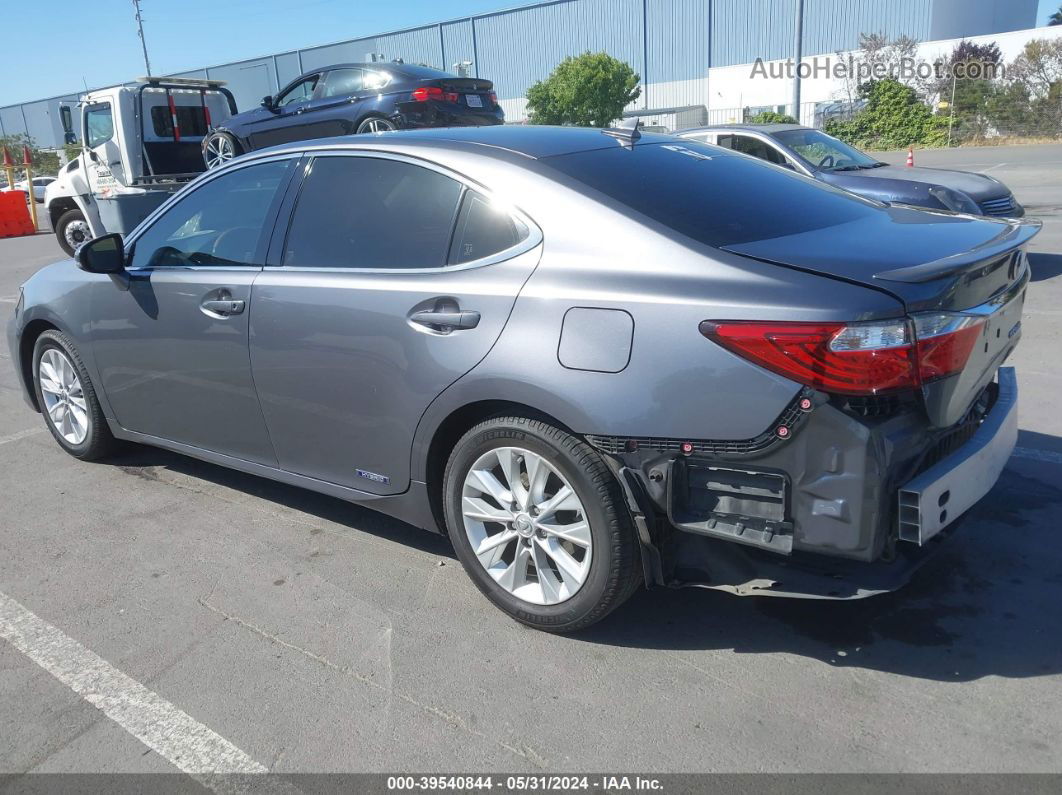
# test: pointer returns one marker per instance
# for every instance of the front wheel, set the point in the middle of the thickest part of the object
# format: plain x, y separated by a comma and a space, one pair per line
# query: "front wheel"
540, 524
72, 231
67, 398
218, 149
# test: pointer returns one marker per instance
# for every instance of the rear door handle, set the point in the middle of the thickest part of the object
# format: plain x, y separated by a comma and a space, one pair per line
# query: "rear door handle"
464, 319
227, 306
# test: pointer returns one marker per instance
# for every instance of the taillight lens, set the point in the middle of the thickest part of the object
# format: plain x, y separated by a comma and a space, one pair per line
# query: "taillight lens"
944, 342
424, 93
854, 358
493, 98
867, 359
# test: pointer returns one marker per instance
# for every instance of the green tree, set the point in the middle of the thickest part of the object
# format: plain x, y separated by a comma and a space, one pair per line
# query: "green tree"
588, 90
1055, 18
43, 162
771, 117
894, 118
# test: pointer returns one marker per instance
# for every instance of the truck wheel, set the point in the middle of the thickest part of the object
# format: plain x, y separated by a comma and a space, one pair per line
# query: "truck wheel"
72, 231
219, 149
540, 524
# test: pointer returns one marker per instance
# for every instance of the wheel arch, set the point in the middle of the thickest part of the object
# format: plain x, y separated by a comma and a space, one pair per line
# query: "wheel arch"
59, 206
30, 334
455, 425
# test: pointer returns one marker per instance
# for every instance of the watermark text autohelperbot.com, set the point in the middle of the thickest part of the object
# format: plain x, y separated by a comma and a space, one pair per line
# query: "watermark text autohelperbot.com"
906, 68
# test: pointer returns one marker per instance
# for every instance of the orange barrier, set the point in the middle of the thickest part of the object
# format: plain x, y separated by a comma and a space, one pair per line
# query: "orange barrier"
14, 214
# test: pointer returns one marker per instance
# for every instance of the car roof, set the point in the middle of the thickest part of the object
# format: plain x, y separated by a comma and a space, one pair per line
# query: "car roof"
763, 128
530, 140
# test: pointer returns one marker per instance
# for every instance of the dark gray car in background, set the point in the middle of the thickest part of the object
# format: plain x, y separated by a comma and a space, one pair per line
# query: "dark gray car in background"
593, 359
825, 158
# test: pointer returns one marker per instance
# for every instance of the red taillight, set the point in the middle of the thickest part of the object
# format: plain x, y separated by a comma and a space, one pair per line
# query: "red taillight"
424, 93
945, 340
805, 353
854, 358
493, 98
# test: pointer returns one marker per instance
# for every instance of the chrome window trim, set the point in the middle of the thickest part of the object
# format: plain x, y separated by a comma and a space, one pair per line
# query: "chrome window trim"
534, 233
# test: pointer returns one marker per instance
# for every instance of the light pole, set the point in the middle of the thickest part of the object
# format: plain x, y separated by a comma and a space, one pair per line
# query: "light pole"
798, 26
140, 32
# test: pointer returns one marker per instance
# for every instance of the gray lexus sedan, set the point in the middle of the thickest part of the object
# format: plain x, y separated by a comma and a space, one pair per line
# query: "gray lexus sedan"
593, 358
823, 157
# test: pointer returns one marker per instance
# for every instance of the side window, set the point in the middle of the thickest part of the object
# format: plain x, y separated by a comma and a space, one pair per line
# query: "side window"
99, 124
757, 148
341, 82
482, 230
362, 212
300, 92
725, 141
218, 224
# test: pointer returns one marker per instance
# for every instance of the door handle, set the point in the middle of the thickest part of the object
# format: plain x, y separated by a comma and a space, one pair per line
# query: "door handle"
446, 321
227, 306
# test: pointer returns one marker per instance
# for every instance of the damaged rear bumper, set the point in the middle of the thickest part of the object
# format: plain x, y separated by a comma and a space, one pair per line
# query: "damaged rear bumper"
838, 506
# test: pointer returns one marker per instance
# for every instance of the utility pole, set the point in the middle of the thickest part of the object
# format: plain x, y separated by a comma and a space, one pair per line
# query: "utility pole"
140, 32
798, 26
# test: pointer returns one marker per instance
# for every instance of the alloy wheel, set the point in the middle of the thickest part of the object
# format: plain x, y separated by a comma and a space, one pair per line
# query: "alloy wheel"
219, 150
526, 526
64, 398
375, 125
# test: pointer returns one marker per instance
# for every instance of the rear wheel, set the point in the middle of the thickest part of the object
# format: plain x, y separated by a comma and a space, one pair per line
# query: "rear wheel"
72, 231
540, 524
67, 398
375, 124
219, 149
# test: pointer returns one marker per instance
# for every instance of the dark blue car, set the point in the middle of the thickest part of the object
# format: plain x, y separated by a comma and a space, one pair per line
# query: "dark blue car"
825, 158
356, 98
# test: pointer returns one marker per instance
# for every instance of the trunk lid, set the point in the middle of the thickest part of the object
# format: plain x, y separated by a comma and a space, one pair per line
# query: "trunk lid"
932, 262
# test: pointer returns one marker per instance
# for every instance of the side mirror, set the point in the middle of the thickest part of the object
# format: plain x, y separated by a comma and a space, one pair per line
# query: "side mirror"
103, 255
267, 102
69, 138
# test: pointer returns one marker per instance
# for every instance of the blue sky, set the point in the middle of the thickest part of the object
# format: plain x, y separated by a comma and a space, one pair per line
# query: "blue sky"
54, 48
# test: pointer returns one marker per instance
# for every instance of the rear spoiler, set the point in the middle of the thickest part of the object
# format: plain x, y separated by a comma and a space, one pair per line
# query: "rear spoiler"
1014, 234
463, 83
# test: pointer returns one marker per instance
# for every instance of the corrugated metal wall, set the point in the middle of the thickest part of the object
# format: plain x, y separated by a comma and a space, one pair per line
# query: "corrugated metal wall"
831, 25
670, 43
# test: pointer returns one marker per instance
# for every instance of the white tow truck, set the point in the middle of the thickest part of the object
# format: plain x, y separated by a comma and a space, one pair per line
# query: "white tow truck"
140, 143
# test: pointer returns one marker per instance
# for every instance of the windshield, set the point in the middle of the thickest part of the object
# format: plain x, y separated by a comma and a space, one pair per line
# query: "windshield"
712, 195
823, 151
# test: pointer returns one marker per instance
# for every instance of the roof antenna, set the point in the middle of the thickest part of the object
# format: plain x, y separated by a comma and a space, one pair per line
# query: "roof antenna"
626, 132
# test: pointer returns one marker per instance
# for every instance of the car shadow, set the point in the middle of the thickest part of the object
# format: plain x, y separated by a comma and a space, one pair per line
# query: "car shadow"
144, 461
1044, 266
986, 605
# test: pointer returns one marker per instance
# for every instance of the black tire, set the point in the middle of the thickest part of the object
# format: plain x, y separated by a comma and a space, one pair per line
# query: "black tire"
615, 566
367, 124
98, 440
70, 246
219, 141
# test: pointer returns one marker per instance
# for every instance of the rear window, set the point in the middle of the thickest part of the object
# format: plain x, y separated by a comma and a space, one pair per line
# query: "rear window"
710, 195
190, 118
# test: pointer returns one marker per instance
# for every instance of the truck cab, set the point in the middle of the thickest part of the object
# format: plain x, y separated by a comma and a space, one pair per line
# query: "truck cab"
140, 143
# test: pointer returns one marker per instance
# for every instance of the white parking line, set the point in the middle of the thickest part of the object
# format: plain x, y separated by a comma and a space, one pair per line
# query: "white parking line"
14, 437
1033, 454
168, 731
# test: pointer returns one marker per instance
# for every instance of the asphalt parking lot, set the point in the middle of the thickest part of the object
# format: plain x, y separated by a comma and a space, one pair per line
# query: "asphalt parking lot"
297, 633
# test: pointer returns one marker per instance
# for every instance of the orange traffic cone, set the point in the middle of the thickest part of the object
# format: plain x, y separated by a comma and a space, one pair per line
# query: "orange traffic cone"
910, 157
